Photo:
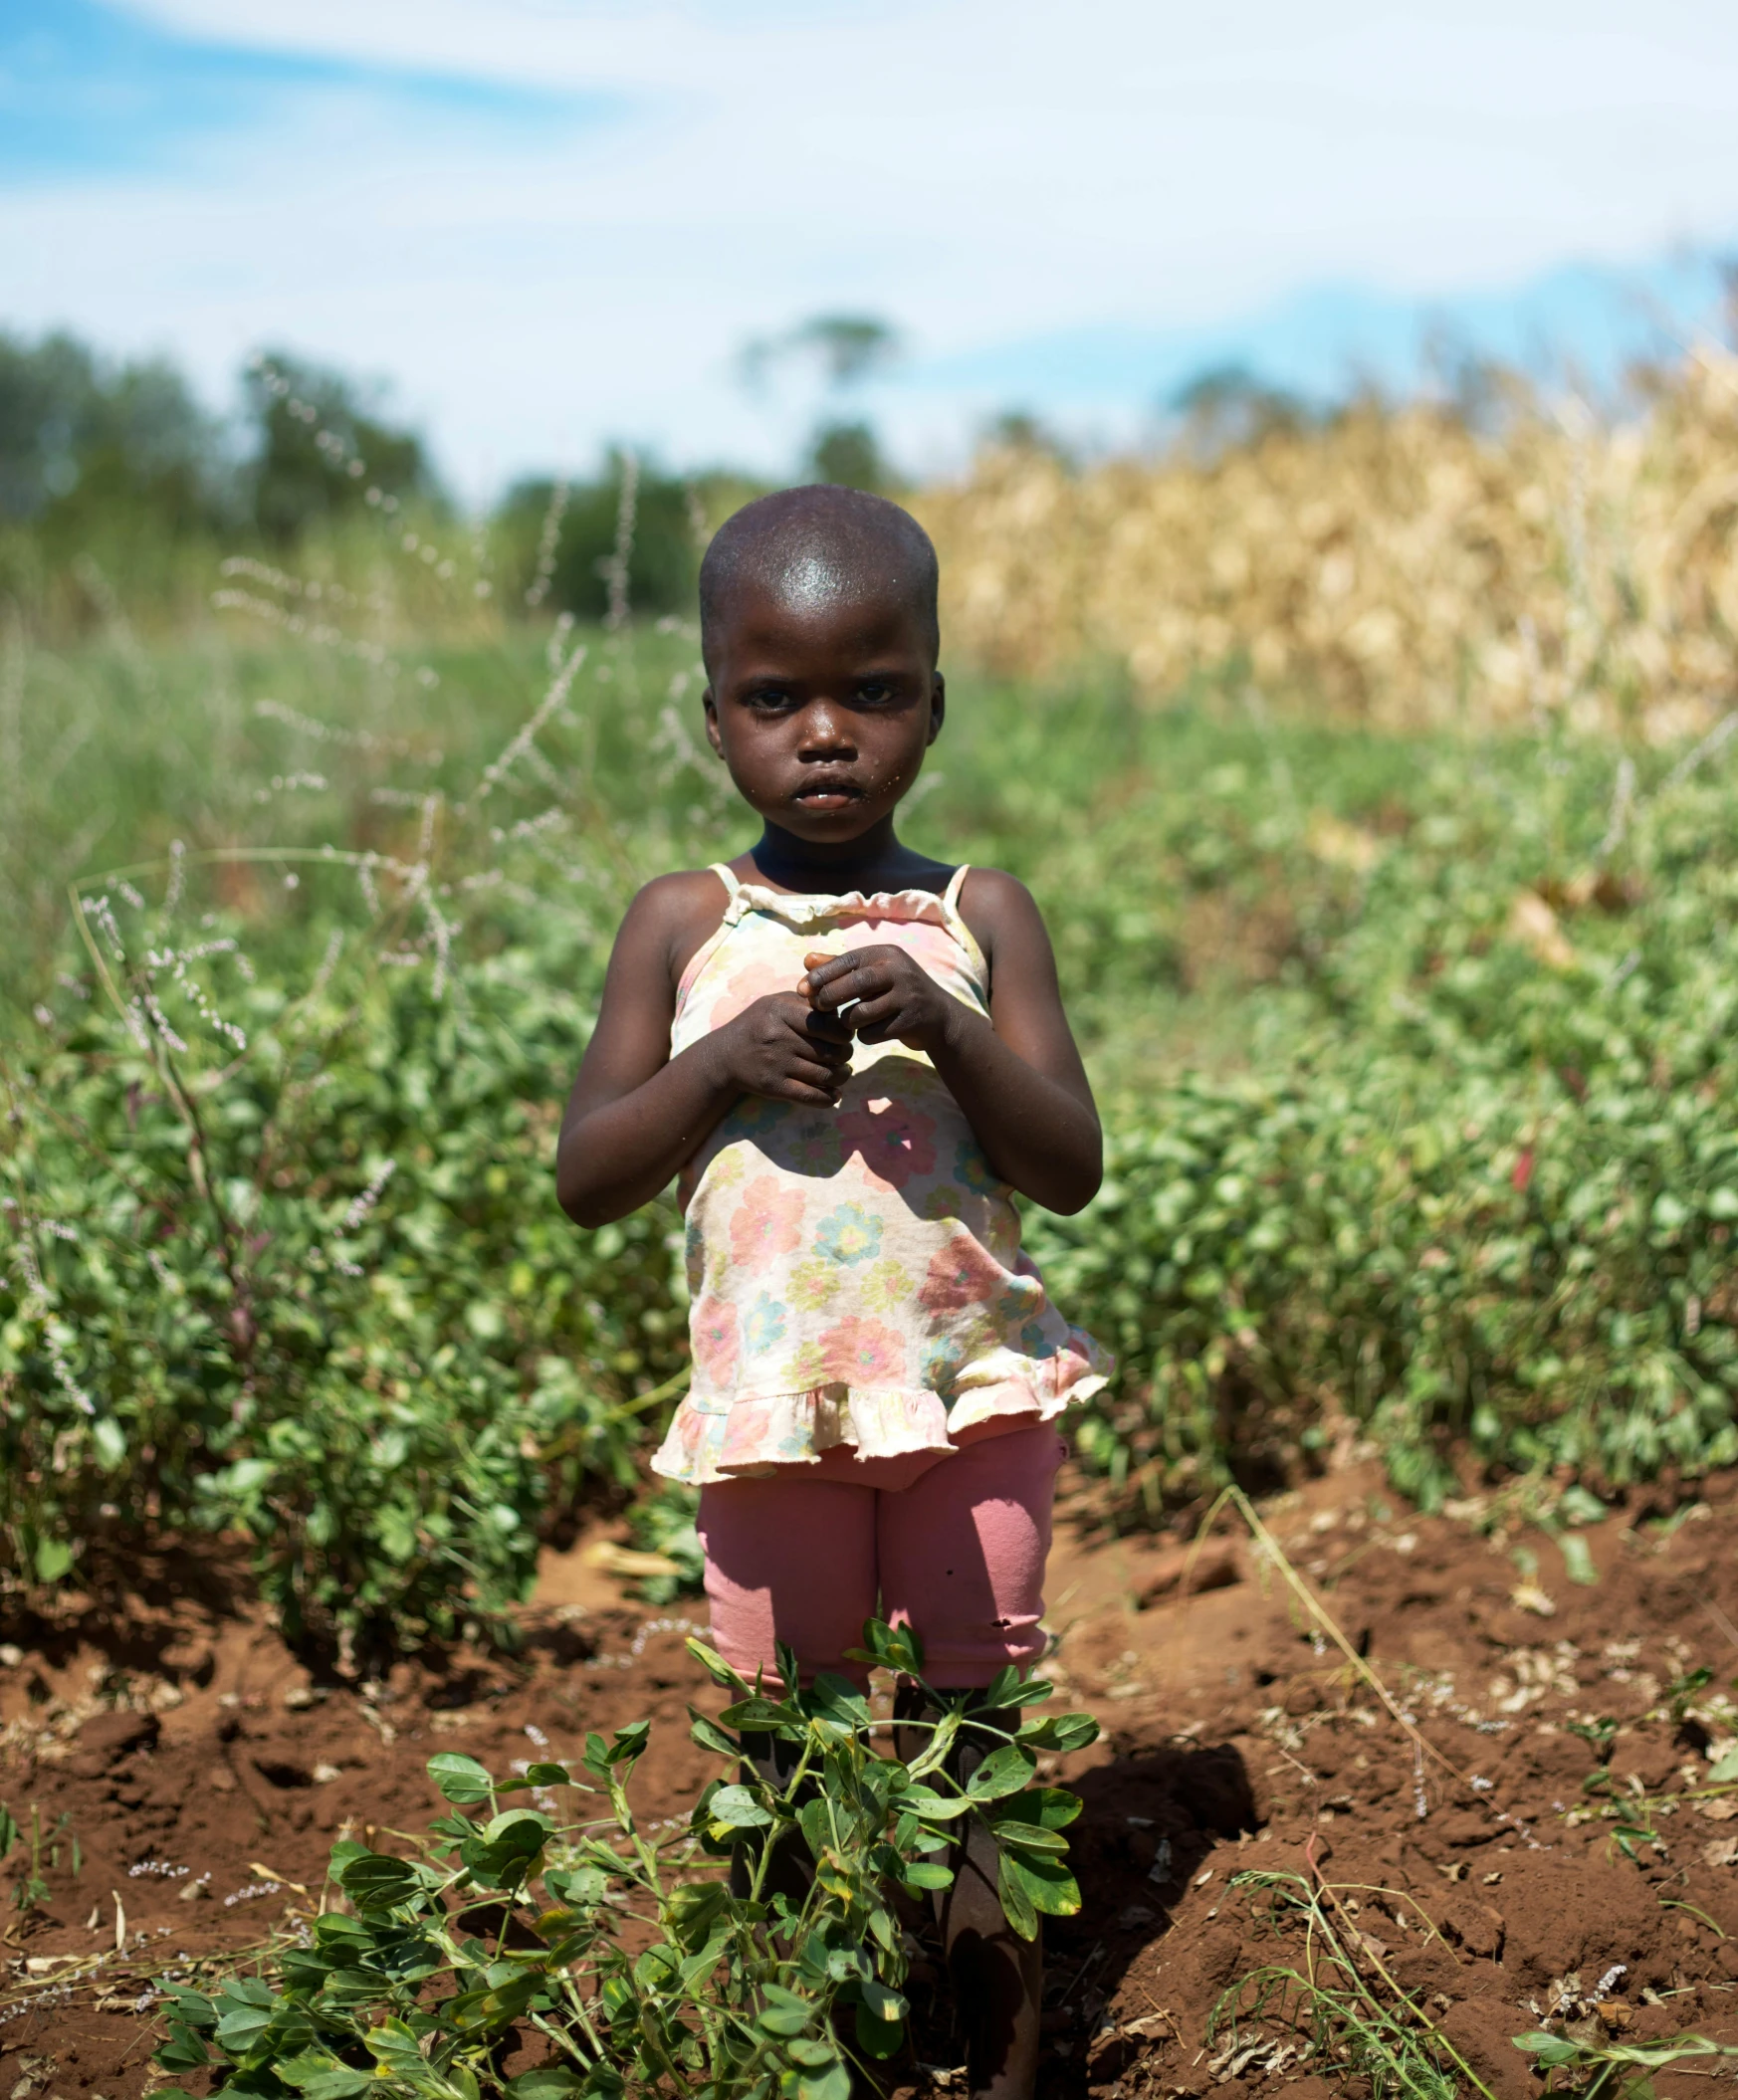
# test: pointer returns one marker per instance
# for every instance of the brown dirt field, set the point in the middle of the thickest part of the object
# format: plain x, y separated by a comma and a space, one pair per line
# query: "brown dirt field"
204, 1777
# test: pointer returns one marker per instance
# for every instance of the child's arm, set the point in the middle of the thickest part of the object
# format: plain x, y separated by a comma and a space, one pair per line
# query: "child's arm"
636, 1114
1018, 1075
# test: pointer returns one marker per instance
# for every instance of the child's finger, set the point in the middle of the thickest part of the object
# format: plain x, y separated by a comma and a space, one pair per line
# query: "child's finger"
850, 979
823, 968
877, 1018
825, 1079
827, 1032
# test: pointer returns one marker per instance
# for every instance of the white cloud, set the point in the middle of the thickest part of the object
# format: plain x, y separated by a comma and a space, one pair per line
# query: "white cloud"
974, 169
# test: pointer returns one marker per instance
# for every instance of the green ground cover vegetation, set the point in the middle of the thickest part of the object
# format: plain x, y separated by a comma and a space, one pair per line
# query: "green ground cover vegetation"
1413, 1051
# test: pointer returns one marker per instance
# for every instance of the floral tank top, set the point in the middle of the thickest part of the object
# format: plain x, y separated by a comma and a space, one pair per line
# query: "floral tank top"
855, 1272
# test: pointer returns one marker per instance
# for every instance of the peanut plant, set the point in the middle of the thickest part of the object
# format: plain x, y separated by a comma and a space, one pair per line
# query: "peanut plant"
641, 1964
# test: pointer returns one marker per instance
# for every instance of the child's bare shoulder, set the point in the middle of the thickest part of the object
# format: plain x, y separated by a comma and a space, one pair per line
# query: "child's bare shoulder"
677, 912
998, 899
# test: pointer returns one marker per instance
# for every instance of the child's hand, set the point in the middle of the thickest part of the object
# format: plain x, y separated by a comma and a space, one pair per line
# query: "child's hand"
882, 993
782, 1049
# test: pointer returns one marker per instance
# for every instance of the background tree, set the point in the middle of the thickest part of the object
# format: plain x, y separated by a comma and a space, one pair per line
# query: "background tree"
321, 447
842, 350
83, 440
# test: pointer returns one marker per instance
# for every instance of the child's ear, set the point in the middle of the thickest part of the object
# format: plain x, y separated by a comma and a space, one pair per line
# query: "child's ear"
709, 704
938, 706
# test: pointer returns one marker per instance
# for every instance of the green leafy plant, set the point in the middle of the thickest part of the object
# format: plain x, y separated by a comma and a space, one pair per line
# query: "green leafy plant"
1599, 2069
1376, 1169
663, 1522
644, 1964
32, 1887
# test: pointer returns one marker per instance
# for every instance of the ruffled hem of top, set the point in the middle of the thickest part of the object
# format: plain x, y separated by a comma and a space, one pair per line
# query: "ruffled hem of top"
757, 1434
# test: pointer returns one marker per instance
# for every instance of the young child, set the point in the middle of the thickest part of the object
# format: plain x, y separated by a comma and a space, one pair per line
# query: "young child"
852, 1055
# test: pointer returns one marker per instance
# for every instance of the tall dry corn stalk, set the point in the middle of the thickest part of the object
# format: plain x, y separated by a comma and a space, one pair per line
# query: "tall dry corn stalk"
1396, 563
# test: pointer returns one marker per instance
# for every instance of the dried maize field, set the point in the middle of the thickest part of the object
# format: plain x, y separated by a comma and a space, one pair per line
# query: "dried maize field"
1410, 565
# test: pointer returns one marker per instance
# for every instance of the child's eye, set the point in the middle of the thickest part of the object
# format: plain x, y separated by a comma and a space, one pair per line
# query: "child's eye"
875, 693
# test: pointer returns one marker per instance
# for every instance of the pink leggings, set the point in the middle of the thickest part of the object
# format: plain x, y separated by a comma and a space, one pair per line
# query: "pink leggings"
959, 1554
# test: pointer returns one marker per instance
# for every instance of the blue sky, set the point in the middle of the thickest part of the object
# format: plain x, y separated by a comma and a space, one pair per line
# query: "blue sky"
554, 222
92, 90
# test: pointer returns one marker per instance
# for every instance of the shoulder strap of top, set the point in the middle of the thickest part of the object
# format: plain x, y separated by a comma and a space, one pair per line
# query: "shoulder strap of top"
725, 876
956, 883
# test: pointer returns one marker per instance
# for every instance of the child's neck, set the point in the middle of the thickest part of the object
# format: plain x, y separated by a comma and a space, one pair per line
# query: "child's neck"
873, 861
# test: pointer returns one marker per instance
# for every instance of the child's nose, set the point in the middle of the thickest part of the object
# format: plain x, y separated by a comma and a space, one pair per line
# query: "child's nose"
825, 728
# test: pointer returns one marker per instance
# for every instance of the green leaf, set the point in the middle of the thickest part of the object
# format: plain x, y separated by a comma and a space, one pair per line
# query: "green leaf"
839, 1699
551, 2081
1016, 1905
1719, 1773
699, 1967
1552, 2051
460, 1779
378, 1882
1577, 1562
714, 1666
1059, 1732
1000, 1688
890, 1648
191, 2006
935, 1807
547, 1774
1032, 1837
629, 1743
394, 2047
826, 2085
495, 2006
882, 1999
245, 2009
525, 1830
922, 1875
738, 1808
502, 1856
52, 1558
706, 1735
760, 1713
784, 2011
8, 1830
1004, 1771
693, 1907
1046, 1882
183, 2050
877, 2036
323, 2077
1051, 1807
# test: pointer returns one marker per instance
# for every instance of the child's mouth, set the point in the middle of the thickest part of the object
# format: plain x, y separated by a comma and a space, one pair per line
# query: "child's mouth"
828, 794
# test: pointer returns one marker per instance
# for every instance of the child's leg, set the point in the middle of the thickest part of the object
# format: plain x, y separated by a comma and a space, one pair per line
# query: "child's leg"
790, 1559
962, 1556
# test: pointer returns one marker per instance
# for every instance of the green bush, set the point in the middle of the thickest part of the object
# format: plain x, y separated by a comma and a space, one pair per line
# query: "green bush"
1475, 1196
328, 1303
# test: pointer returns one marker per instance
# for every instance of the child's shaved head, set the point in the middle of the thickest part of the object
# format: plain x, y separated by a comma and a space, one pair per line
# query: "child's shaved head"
815, 548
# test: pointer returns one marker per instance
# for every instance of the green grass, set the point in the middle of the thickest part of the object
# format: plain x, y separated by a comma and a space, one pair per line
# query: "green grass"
1415, 1070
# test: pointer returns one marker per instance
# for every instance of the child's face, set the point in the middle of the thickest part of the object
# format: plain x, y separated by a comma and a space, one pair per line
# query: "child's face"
822, 712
